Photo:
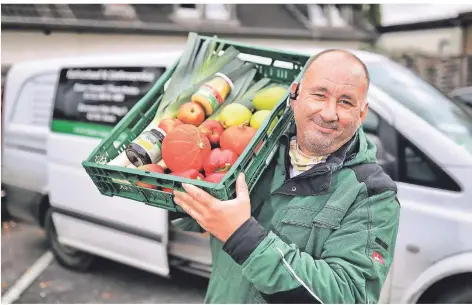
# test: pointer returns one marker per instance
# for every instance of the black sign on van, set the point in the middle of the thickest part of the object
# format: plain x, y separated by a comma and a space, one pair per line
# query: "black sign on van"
92, 100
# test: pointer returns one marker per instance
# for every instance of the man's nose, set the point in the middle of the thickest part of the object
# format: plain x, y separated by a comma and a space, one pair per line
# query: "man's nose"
329, 111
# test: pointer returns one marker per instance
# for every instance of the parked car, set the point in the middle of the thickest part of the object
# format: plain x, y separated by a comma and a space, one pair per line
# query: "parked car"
464, 97
424, 143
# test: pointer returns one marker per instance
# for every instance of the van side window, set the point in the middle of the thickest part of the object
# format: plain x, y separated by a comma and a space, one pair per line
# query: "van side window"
34, 102
371, 122
90, 101
380, 132
416, 168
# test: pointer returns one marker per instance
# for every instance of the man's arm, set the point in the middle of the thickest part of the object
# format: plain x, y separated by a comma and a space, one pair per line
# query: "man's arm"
352, 268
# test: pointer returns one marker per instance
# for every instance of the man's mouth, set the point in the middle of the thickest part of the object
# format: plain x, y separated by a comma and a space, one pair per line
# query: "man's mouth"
324, 129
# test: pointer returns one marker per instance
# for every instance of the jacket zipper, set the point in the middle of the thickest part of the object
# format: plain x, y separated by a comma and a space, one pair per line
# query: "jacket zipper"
295, 276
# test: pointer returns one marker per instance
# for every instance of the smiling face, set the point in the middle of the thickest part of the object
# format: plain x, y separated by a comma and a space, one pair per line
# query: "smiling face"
330, 105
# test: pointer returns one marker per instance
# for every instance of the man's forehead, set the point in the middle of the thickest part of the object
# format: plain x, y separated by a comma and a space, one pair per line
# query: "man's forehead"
336, 67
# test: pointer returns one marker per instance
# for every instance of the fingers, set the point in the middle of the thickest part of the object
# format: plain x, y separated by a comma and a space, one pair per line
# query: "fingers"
190, 202
199, 194
189, 209
242, 189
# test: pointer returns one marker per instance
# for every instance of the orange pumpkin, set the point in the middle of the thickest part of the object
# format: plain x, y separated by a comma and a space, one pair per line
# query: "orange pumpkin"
185, 148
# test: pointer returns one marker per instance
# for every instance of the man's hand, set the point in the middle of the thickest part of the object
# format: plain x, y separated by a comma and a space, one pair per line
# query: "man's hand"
220, 218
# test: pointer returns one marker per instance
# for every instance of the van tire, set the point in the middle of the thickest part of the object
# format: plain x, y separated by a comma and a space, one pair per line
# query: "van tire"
68, 257
458, 295
5, 214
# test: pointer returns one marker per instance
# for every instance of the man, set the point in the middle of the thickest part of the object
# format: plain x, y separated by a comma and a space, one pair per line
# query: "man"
321, 224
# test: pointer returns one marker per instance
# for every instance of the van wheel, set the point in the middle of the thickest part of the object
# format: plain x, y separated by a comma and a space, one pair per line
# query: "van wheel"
68, 257
5, 215
458, 295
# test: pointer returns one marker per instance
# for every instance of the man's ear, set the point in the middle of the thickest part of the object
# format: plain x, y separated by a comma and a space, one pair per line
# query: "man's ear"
293, 95
364, 111
290, 103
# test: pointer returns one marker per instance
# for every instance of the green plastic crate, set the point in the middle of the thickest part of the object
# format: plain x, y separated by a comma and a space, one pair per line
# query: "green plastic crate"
120, 181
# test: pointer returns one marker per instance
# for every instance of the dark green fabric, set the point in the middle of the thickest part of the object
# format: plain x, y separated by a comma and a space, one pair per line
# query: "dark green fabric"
325, 240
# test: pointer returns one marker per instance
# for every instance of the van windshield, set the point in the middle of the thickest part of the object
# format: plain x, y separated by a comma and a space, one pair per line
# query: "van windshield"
423, 99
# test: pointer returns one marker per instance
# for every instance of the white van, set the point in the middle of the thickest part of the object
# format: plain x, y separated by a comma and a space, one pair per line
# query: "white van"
424, 142
49, 131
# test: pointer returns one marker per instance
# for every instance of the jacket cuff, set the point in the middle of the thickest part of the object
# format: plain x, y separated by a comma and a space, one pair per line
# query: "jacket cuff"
245, 240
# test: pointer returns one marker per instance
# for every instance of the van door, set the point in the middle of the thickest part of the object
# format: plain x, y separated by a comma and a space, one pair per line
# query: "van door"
25, 122
89, 101
433, 221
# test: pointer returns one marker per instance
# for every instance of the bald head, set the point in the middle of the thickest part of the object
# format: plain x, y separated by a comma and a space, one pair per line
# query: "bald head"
341, 53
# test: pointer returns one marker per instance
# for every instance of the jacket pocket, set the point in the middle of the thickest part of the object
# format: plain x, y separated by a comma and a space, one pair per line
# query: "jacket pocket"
328, 220
309, 228
297, 224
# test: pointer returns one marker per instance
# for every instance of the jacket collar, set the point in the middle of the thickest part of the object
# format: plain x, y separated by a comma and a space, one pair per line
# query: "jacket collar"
316, 180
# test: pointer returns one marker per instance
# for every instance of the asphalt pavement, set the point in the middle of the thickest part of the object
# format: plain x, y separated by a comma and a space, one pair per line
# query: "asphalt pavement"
106, 282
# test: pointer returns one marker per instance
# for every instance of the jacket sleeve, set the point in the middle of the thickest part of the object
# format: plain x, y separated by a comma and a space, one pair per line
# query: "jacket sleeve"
352, 268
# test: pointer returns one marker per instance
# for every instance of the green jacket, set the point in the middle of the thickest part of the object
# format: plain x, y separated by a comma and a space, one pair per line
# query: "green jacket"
327, 235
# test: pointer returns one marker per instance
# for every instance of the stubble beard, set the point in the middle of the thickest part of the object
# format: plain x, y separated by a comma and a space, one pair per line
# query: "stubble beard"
319, 144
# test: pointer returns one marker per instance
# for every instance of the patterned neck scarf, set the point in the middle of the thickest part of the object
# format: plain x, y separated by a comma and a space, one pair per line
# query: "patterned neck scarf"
300, 161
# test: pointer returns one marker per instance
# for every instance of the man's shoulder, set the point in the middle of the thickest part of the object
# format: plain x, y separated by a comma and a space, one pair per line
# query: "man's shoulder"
374, 178
377, 192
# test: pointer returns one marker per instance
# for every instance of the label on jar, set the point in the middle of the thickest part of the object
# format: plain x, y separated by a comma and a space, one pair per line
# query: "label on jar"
210, 94
151, 142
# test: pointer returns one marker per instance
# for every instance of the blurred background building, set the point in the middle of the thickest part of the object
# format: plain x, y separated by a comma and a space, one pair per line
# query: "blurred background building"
434, 41
439, 47
48, 30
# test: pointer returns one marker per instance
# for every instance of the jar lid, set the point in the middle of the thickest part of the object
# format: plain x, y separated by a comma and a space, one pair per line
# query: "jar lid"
226, 78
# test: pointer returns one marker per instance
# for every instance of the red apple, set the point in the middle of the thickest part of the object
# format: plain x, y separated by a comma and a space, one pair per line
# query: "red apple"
191, 113
214, 177
190, 174
213, 131
168, 124
219, 161
150, 168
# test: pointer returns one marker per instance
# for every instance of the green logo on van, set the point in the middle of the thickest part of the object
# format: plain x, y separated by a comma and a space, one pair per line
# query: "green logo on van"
81, 128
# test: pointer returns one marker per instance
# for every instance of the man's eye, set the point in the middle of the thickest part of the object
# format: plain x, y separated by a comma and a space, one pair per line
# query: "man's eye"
346, 102
319, 95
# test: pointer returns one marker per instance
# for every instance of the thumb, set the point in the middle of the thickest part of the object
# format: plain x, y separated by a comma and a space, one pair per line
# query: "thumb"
242, 190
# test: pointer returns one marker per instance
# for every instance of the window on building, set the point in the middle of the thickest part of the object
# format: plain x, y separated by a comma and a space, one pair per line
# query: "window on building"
190, 6
317, 15
335, 16
125, 11
188, 11
347, 14
217, 12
